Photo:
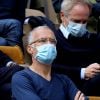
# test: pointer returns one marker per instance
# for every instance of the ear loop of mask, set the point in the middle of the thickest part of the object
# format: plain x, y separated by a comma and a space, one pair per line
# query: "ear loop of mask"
67, 20
33, 47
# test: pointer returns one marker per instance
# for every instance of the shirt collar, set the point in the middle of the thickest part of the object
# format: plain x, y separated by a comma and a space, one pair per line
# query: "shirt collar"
64, 31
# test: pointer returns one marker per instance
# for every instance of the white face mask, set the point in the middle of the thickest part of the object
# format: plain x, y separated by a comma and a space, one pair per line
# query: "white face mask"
76, 29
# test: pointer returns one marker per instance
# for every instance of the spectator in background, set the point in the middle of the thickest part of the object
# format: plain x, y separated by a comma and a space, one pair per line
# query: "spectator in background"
57, 5
12, 14
95, 10
78, 50
38, 82
7, 68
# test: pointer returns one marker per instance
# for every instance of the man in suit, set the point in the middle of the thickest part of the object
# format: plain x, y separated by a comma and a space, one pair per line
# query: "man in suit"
78, 50
12, 14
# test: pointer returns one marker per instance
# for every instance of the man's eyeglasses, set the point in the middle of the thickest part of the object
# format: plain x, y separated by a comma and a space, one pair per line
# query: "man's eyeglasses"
45, 40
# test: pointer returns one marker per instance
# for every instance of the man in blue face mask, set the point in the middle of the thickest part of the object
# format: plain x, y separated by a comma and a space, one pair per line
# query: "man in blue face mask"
38, 82
78, 50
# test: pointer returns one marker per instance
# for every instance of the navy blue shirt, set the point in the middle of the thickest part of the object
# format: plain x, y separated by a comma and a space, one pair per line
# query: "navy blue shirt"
27, 85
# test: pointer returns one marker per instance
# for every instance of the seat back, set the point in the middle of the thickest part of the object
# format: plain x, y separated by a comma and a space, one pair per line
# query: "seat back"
94, 98
14, 52
33, 12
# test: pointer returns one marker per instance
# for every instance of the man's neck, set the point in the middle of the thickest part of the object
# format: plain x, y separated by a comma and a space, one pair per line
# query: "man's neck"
42, 69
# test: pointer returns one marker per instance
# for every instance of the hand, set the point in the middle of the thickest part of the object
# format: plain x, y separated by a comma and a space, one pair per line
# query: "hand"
79, 96
11, 64
92, 70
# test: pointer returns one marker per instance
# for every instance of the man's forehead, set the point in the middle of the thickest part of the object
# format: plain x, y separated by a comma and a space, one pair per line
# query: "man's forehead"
44, 33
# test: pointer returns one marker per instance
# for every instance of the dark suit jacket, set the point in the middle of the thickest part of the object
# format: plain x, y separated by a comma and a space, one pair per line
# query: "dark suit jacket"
4, 59
75, 53
14, 9
7, 72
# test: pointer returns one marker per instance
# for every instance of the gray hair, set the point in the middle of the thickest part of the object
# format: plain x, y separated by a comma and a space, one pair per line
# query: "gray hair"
30, 37
67, 5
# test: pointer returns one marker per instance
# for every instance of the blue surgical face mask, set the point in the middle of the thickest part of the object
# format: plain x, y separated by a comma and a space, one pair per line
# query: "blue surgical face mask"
46, 53
76, 29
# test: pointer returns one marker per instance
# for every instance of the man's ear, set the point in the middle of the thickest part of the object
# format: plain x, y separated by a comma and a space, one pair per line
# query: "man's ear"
30, 50
62, 16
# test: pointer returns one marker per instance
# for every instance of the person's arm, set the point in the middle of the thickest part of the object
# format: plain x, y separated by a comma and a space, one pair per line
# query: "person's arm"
22, 88
4, 59
6, 73
73, 92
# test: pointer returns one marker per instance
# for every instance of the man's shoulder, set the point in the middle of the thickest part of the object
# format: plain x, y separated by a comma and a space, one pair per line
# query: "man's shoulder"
62, 77
20, 74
